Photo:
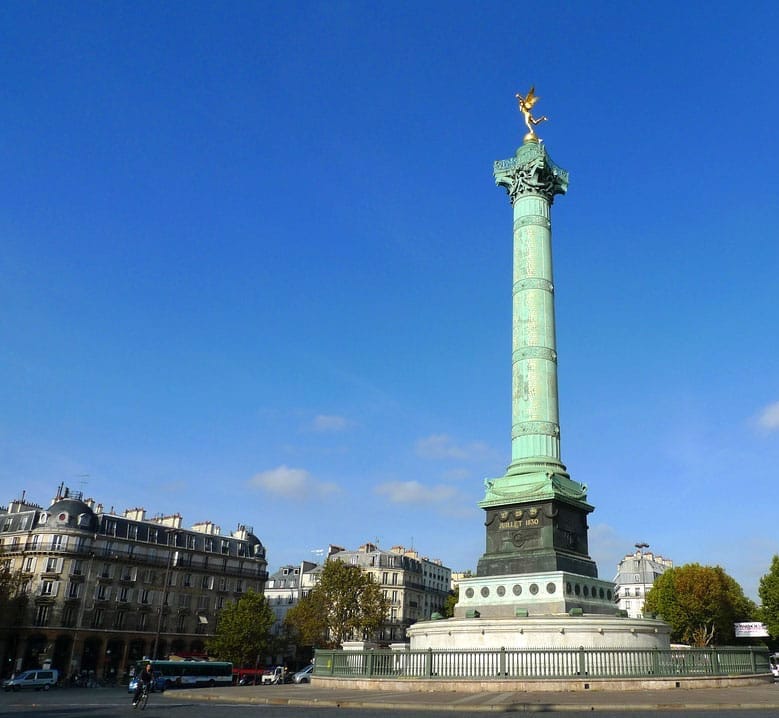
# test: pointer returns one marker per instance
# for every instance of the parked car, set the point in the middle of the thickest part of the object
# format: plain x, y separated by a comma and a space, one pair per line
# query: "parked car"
304, 676
158, 684
39, 679
276, 676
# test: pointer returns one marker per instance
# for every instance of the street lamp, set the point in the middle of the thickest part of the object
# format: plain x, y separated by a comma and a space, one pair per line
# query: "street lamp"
640, 546
172, 558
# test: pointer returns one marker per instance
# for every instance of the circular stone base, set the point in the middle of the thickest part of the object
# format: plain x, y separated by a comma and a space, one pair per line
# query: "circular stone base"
588, 631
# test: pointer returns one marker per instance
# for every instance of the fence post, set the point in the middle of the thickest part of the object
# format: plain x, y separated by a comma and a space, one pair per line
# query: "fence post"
369, 664
502, 665
752, 661
656, 660
582, 662
429, 663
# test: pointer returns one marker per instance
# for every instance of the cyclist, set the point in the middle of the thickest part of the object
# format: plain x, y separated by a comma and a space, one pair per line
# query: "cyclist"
145, 678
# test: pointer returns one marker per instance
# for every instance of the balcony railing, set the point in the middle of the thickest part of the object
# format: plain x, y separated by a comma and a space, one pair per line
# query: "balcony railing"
554, 663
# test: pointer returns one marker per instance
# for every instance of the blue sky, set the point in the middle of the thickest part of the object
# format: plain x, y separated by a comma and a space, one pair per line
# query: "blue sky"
255, 269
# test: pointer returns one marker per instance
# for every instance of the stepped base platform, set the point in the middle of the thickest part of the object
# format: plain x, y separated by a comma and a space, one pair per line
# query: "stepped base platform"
541, 632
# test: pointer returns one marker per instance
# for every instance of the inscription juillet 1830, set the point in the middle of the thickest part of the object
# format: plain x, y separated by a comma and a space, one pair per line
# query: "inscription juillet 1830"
519, 518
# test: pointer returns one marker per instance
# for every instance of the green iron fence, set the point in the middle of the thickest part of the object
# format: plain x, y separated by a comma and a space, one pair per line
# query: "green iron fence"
542, 663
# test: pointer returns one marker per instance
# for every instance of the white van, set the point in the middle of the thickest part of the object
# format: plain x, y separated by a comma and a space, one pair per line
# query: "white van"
39, 679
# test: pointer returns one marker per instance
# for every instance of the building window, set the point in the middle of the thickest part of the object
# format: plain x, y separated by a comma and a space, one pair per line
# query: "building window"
105, 571
187, 580
73, 590
203, 603
42, 616
119, 620
145, 595
124, 594
68, 617
34, 542
181, 624
29, 564
142, 621
47, 588
103, 593
56, 543
97, 618
51, 565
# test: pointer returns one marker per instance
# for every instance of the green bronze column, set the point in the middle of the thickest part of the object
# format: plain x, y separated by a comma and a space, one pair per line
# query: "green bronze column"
531, 180
536, 516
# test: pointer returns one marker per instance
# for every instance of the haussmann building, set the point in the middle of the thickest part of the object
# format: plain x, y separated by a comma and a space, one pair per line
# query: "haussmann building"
105, 589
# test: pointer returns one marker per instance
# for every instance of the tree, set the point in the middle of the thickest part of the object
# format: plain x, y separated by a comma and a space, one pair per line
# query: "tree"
451, 602
769, 595
243, 630
700, 602
13, 595
346, 602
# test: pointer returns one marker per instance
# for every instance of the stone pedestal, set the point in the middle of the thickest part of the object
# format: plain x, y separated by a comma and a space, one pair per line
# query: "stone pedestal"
540, 632
534, 594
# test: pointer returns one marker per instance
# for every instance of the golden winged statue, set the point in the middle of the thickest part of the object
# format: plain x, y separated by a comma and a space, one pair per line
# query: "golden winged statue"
525, 106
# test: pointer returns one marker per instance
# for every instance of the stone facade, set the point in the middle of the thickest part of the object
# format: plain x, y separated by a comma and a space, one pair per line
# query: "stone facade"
635, 575
287, 586
107, 589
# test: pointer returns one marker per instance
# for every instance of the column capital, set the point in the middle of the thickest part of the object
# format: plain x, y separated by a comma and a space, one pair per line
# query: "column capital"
531, 171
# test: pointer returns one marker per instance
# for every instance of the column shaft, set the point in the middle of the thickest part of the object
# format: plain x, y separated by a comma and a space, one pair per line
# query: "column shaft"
535, 430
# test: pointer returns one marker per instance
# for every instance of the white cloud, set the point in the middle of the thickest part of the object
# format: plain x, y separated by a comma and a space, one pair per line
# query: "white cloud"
442, 446
412, 492
291, 483
329, 423
768, 418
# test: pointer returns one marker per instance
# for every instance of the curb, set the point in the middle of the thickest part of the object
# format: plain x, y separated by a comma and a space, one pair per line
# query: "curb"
518, 707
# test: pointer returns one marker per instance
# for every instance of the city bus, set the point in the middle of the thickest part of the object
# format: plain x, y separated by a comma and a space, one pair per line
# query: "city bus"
190, 674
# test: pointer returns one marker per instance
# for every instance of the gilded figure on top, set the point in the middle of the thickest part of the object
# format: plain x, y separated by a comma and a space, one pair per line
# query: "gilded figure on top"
526, 104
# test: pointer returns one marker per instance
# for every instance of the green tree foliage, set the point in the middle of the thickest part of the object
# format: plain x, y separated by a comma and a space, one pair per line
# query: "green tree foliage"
769, 596
700, 602
346, 603
13, 596
243, 631
451, 602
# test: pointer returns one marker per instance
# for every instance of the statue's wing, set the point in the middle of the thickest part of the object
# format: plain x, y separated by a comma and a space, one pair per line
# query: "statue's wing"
531, 98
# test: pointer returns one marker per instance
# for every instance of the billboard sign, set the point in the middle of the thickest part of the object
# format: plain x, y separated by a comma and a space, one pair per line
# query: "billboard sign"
751, 629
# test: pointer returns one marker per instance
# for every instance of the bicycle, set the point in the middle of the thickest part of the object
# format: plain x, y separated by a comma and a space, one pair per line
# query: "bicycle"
143, 699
